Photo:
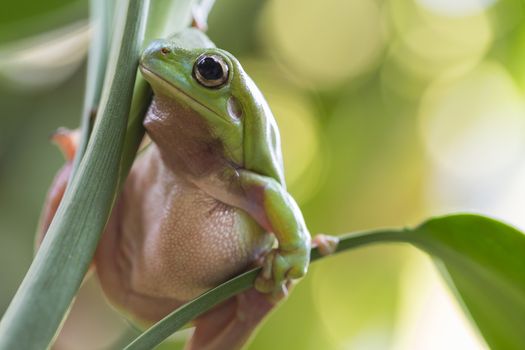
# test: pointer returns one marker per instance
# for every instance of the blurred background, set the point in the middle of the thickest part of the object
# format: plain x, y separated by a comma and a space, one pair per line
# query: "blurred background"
390, 111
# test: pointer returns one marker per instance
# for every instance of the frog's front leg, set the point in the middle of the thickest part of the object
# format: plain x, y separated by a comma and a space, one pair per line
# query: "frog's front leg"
276, 211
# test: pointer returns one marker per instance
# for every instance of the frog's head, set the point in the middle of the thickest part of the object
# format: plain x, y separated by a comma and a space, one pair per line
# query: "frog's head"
212, 83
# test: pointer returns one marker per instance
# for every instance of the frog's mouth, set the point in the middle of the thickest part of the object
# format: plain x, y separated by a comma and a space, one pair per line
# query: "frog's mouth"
198, 106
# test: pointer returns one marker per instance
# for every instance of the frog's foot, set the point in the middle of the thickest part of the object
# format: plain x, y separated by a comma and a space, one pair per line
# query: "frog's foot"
199, 13
229, 325
67, 141
280, 266
325, 244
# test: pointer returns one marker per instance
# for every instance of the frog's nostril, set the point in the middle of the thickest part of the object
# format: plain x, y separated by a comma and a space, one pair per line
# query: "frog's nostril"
165, 50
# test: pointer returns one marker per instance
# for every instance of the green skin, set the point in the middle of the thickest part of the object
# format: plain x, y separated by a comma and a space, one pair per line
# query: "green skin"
250, 174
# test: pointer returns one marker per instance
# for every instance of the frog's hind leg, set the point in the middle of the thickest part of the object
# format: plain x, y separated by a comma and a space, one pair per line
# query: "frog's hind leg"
229, 325
67, 141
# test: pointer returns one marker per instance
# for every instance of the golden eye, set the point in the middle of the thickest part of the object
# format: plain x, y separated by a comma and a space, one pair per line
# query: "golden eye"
211, 71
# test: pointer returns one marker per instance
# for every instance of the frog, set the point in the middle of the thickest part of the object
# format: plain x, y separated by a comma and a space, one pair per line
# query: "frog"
204, 201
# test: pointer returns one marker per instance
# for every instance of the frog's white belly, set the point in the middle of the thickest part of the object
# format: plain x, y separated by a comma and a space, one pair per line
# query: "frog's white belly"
192, 243
172, 241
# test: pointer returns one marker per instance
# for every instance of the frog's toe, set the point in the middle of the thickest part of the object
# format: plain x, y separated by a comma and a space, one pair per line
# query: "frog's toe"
67, 140
274, 292
325, 244
296, 272
270, 277
264, 285
199, 15
280, 267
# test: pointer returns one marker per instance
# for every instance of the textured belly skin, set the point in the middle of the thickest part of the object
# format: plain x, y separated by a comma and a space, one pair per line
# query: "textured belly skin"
167, 241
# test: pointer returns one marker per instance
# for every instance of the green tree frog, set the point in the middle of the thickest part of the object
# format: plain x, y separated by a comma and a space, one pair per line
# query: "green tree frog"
205, 201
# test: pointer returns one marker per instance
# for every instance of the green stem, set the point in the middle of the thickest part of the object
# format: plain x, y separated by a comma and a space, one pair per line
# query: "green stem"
187, 312
37, 310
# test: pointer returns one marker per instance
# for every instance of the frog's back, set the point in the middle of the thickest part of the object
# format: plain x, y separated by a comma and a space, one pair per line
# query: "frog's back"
173, 241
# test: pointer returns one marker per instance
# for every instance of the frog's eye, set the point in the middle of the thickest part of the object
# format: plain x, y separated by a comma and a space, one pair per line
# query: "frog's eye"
211, 70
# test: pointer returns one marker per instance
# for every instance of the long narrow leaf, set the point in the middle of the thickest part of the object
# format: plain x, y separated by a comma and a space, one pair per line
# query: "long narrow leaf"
48, 288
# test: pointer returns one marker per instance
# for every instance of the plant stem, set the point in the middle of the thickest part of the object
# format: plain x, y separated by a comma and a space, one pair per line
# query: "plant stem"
37, 310
189, 311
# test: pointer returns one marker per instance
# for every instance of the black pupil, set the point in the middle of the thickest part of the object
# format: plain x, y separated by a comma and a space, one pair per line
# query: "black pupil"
209, 68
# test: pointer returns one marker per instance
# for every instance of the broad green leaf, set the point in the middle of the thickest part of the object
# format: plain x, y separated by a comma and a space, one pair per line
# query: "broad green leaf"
484, 262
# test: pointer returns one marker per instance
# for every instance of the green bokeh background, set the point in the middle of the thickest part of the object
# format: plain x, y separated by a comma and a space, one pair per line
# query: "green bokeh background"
382, 104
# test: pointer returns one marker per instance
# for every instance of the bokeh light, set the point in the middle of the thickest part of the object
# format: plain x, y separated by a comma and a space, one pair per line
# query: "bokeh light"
427, 44
474, 127
457, 7
360, 312
325, 42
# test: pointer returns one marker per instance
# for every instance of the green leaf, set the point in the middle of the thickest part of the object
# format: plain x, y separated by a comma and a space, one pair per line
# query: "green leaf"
482, 259
484, 262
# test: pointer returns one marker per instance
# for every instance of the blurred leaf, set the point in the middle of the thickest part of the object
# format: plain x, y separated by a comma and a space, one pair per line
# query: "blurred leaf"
19, 19
485, 261
101, 13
